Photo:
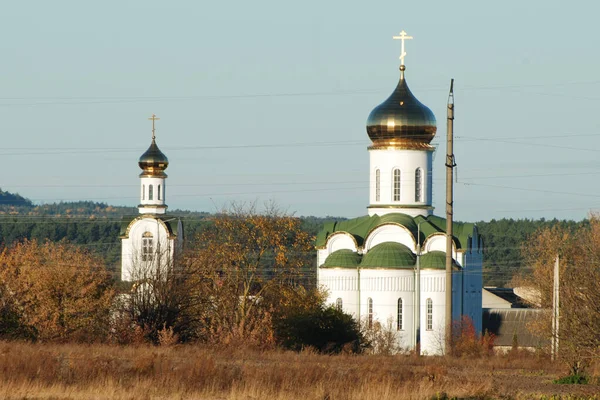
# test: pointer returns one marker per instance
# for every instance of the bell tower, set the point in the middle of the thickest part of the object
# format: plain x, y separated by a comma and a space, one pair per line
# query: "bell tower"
152, 179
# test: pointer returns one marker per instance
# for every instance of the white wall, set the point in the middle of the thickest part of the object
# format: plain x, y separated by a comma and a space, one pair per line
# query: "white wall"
131, 247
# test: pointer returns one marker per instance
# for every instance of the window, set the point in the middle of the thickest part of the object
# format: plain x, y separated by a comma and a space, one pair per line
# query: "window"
418, 184
147, 247
400, 327
338, 303
377, 185
396, 185
370, 312
429, 315
150, 192
158, 192
143, 192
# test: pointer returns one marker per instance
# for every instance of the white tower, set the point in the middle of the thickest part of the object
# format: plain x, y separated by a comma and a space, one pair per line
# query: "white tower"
152, 179
401, 129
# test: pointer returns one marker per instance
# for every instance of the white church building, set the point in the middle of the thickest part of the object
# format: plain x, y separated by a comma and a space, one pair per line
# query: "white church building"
389, 266
151, 239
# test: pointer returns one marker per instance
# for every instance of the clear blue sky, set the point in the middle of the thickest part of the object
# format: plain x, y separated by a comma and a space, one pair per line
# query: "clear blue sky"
291, 84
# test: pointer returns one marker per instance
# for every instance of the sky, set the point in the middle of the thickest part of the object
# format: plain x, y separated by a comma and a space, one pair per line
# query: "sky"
267, 100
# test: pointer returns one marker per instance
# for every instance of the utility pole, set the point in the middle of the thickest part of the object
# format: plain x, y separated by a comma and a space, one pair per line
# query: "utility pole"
555, 310
418, 294
450, 164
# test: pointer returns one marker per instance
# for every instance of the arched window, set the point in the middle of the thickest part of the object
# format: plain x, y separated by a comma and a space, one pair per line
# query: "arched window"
338, 303
419, 184
396, 184
377, 185
158, 192
429, 326
150, 192
370, 312
400, 320
147, 246
143, 192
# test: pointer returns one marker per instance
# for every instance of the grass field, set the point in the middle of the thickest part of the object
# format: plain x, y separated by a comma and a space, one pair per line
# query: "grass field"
38, 371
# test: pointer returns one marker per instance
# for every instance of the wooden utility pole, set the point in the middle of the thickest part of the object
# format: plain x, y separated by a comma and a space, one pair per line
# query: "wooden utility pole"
449, 215
555, 310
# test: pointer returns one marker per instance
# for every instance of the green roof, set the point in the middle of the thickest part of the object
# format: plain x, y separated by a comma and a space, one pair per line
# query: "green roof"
169, 220
435, 260
360, 227
342, 259
389, 255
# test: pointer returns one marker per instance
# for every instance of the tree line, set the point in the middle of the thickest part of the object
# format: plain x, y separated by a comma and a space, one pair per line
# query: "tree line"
96, 226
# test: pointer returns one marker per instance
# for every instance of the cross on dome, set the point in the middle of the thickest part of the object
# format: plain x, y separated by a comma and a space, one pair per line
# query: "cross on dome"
403, 36
153, 118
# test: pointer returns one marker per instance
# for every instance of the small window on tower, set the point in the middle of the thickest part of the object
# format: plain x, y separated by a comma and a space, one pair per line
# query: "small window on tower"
150, 192
400, 316
396, 184
143, 192
377, 185
429, 315
158, 192
338, 303
147, 246
418, 185
370, 312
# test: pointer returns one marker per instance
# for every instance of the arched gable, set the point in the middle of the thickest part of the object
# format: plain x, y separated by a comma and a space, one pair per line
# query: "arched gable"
437, 242
341, 240
390, 232
143, 221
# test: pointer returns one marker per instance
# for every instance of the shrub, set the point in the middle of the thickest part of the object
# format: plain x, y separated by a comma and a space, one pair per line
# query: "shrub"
575, 379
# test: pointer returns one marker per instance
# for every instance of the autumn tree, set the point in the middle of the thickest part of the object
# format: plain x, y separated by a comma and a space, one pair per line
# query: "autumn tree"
55, 291
244, 258
579, 271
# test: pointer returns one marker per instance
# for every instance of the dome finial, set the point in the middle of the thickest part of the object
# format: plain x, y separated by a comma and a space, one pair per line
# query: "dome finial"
402, 37
153, 118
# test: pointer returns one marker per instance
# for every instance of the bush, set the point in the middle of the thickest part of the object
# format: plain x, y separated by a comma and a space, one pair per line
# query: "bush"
575, 379
303, 320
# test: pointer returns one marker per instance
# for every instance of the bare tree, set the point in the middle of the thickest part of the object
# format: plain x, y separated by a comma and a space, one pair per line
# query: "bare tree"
163, 296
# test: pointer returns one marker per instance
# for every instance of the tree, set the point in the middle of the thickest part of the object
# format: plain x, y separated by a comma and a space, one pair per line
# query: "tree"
301, 319
579, 253
243, 258
56, 291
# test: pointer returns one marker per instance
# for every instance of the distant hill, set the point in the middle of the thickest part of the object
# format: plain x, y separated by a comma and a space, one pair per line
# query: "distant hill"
13, 200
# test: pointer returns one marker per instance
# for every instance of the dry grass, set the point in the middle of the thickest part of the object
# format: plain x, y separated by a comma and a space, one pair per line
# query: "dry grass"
29, 371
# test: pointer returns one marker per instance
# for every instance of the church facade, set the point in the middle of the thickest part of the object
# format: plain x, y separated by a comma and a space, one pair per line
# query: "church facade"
151, 239
388, 267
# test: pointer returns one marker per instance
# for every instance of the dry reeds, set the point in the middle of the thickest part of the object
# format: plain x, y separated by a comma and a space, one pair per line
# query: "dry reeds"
125, 372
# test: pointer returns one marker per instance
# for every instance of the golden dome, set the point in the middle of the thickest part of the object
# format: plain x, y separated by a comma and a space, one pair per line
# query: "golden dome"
401, 121
153, 162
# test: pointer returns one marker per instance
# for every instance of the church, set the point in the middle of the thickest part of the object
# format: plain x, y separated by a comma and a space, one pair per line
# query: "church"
388, 267
150, 240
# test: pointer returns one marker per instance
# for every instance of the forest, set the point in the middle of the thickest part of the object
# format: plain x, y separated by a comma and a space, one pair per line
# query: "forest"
95, 226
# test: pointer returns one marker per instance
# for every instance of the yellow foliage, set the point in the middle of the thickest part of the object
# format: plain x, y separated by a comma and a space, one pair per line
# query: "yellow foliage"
61, 291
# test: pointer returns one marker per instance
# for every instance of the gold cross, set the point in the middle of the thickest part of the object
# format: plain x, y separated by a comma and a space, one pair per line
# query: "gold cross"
153, 118
402, 37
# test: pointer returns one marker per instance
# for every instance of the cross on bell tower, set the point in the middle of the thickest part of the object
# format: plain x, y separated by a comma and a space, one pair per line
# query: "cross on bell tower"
153, 118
